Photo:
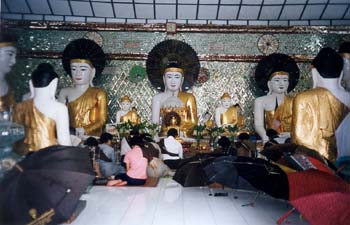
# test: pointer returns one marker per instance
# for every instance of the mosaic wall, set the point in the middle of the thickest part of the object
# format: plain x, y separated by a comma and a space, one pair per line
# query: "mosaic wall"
233, 76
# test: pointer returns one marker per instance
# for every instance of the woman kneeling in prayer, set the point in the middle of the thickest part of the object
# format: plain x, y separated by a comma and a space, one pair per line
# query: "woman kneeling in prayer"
136, 166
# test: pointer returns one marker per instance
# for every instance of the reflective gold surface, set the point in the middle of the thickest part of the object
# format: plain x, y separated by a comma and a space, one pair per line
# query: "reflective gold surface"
232, 117
40, 130
7, 101
89, 111
283, 114
131, 116
316, 116
187, 113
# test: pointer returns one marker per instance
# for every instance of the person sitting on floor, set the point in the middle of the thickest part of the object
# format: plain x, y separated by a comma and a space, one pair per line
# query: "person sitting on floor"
156, 167
172, 151
136, 166
109, 167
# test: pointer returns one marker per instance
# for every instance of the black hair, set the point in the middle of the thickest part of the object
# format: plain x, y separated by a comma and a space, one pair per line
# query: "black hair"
224, 142
344, 47
136, 140
172, 132
91, 142
328, 63
105, 137
43, 75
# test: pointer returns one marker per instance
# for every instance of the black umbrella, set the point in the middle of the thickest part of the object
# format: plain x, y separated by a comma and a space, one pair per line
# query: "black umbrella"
190, 172
46, 185
263, 176
223, 171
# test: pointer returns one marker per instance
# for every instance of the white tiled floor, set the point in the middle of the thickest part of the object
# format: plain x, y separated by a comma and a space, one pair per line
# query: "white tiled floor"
171, 204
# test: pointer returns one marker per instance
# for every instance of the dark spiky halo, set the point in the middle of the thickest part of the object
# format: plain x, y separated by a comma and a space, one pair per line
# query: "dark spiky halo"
84, 49
169, 51
344, 47
273, 63
328, 63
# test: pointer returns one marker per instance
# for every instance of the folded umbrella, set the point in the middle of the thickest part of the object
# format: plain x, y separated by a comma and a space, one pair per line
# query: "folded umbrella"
46, 185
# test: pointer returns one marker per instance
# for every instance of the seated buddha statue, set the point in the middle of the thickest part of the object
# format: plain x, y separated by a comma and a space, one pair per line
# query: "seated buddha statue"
8, 53
174, 108
83, 59
320, 111
227, 113
279, 74
45, 120
127, 113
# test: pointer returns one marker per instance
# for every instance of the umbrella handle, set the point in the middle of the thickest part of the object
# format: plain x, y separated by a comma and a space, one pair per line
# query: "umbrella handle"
284, 216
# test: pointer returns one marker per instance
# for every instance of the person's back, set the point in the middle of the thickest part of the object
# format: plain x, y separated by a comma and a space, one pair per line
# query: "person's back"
109, 167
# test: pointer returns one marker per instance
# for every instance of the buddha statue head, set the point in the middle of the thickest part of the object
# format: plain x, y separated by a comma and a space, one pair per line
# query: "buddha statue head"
8, 53
173, 77
83, 59
44, 76
277, 73
328, 64
125, 103
225, 100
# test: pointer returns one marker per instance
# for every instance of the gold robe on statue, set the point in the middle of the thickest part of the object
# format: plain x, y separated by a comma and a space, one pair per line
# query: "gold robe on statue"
317, 113
187, 113
40, 130
89, 111
283, 114
131, 116
7, 101
232, 117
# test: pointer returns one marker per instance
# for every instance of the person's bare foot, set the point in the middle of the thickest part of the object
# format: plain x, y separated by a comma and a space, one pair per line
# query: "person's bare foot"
116, 183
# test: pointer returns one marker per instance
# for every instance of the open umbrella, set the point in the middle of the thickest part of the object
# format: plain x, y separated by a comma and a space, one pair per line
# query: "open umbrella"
45, 186
309, 182
327, 208
263, 176
190, 172
223, 171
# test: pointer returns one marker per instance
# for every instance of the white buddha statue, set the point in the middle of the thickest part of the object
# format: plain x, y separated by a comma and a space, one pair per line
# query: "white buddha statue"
126, 112
87, 105
45, 120
344, 51
274, 110
8, 53
228, 112
319, 112
174, 108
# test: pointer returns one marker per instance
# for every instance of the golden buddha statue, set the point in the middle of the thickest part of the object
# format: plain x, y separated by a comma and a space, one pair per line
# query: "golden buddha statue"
317, 113
8, 53
174, 102
87, 105
227, 114
45, 120
127, 113
279, 74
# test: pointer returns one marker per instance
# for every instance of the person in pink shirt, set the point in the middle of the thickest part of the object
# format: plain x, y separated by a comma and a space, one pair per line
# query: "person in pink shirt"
136, 166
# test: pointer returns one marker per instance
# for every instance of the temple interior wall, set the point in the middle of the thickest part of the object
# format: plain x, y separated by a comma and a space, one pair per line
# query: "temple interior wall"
230, 57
